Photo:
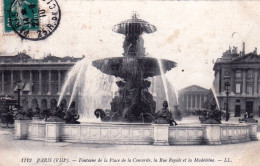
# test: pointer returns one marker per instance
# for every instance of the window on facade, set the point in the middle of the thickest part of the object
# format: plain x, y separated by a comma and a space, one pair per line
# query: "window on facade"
249, 73
249, 89
238, 74
238, 87
227, 73
237, 100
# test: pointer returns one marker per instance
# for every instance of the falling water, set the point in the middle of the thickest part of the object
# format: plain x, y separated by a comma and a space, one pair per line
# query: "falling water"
164, 80
89, 87
215, 96
78, 79
70, 77
172, 88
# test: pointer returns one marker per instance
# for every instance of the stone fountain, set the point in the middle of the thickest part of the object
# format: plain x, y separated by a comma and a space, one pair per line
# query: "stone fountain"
134, 102
134, 105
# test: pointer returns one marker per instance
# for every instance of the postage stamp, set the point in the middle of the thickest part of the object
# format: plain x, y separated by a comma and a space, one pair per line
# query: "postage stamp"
24, 14
31, 19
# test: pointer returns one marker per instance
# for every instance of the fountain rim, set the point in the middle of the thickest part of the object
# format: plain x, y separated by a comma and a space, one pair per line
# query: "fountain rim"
138, 57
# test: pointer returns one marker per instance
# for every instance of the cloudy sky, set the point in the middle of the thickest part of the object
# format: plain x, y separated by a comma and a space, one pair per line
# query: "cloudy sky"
193, 34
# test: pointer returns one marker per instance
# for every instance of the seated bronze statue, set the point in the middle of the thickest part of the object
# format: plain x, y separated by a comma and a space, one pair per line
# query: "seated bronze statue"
164, 116
71, 117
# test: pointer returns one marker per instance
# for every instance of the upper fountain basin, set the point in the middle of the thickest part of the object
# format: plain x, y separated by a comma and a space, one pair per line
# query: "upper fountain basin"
134, 25
121, 66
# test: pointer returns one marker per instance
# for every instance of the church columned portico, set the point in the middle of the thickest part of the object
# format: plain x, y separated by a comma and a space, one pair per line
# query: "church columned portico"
193, 98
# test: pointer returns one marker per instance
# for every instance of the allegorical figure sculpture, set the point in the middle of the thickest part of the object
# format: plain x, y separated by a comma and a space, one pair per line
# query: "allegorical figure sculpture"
72, 116
248, 119
164, 116
210, 117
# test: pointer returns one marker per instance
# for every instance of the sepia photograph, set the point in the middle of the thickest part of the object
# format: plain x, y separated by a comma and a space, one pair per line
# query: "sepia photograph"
129, 83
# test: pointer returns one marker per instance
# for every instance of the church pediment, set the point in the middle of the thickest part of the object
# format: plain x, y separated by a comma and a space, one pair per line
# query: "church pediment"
249, 58
194, 88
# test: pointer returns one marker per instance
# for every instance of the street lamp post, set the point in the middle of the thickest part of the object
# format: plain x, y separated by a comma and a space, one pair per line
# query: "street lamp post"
227, 86
18, 93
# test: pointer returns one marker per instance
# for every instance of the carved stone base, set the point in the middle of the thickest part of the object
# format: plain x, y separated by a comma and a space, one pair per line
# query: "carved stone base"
21, 129
253, 132
212, 134
53, 131
161, 134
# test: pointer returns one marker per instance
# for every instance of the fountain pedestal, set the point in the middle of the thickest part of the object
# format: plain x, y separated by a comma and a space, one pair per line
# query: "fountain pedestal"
161, 134
253, 132
21, 129
212, 134
53, 131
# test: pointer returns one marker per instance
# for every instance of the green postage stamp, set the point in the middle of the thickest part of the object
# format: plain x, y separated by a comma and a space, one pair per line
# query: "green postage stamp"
21, 14
31, 19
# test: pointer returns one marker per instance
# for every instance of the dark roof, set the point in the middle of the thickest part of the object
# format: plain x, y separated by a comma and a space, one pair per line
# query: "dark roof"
248, 58
25, 57
19, 56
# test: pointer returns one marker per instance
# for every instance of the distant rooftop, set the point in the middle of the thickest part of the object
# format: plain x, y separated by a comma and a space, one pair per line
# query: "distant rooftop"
24, 58
232, 54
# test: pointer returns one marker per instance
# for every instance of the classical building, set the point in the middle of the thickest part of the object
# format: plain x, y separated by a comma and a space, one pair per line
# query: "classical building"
41, 79
242, 72
193, 98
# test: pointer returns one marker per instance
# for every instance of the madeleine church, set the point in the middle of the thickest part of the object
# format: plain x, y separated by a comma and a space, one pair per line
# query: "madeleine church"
242, 71
193, 98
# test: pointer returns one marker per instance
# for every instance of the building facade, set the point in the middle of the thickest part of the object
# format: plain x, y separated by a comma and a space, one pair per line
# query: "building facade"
193, 98
242, 72
41, 79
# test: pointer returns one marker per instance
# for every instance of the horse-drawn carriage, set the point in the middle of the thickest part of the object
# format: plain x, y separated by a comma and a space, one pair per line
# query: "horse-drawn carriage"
8, 108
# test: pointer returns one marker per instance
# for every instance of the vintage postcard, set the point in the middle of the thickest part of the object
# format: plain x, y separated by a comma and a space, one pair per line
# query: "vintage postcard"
129, 83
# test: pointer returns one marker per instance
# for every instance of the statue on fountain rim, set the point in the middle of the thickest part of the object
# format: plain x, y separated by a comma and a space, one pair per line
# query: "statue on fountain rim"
164, 116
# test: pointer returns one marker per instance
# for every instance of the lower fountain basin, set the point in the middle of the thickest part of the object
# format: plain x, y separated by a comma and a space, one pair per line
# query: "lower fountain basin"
135, 133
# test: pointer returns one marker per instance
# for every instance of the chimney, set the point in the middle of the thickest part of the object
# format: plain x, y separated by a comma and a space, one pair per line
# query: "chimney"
255, 51
243, 51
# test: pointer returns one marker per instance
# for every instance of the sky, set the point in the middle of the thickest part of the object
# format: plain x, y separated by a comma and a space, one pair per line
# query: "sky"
193, 34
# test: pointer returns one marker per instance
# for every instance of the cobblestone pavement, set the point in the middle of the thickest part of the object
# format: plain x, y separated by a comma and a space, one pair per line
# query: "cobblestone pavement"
27, 153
